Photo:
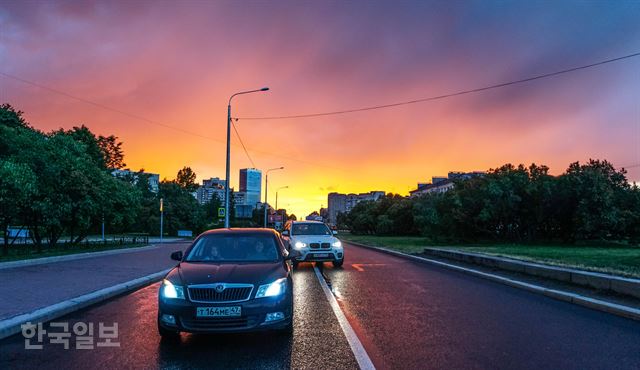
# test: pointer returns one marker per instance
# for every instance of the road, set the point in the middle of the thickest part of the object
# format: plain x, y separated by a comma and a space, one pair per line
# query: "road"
407, 315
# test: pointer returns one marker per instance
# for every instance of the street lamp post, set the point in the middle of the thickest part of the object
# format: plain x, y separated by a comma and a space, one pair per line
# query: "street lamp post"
278, 189
266, 189
226, 190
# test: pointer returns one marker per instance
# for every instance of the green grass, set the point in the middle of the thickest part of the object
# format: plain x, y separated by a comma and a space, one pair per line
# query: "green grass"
24, 252
612, 260
617, 260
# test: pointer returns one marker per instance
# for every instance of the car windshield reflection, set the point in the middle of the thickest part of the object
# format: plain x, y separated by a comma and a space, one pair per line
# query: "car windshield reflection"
249, 249
310, 229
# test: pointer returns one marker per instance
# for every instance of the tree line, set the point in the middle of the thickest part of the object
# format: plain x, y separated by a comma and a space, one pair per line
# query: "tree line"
589, 201
59, 184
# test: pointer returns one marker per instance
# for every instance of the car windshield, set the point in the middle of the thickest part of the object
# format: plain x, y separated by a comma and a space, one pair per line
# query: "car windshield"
310, 229
234, 248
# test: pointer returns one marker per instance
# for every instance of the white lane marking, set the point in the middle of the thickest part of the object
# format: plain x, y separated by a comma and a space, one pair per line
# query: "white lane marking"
356, 347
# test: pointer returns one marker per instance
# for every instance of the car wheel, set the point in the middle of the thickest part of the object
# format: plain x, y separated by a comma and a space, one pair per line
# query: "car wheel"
295, 265
167, 334
338, 263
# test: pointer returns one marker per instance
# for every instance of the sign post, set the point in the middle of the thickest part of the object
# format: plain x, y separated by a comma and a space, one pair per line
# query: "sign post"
161, 218
222, 213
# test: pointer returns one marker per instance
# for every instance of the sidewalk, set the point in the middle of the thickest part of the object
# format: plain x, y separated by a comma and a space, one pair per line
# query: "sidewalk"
28, 288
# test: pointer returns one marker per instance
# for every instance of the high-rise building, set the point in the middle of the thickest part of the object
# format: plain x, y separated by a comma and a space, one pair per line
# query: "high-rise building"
210, 187
441, 184
343, 203
251, 184
337, 203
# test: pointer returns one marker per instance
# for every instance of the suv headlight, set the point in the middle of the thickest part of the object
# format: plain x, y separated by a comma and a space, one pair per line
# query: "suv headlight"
299, 245
272, 290
168, 290
337, 244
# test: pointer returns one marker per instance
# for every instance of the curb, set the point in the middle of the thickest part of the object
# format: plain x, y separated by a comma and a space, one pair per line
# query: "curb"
593, 303
75, 256
12, 325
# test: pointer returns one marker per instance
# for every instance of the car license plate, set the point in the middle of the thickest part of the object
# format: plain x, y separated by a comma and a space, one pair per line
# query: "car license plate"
322, 255
232, 311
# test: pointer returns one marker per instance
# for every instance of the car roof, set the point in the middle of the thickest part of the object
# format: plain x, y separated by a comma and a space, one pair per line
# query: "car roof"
307, 222
240, 231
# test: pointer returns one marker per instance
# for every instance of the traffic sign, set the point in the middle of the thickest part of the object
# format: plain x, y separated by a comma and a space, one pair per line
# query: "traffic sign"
221, 212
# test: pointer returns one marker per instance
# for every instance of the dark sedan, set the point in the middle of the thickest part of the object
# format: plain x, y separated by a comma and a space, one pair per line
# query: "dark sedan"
228, 280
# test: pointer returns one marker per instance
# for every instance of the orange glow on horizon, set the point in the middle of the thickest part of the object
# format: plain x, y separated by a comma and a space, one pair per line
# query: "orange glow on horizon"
177, 66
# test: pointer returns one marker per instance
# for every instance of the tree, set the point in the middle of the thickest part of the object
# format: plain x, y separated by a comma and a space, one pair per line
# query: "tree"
17, 186
181, 210
594, 208
9, 117
112, 153
186, 179
211, 209
106, 151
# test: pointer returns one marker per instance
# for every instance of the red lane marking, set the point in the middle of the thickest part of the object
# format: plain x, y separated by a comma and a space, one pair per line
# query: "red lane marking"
360, 266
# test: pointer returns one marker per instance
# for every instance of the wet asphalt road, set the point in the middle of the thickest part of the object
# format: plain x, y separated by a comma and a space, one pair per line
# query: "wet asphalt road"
407, 316
317, 342
415, 316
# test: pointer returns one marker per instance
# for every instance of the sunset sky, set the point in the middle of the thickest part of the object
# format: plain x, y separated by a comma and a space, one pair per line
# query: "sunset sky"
176, 64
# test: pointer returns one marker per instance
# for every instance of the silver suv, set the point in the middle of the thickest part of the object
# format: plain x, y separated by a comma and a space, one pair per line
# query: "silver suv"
314, 241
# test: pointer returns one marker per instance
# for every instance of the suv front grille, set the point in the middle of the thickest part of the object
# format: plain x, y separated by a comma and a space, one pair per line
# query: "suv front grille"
320, 245
208, 294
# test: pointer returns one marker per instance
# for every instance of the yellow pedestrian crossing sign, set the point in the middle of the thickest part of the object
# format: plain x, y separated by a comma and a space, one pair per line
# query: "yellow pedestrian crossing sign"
221, 212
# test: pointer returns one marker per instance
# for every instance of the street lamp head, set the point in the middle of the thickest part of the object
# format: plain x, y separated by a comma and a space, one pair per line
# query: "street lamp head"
264, 89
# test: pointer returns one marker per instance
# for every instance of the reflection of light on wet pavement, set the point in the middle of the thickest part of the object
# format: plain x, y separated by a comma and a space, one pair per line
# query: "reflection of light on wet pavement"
336, 293
360, 266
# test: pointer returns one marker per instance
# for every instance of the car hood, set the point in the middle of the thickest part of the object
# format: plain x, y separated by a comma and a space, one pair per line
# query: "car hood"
188, 273
314, 238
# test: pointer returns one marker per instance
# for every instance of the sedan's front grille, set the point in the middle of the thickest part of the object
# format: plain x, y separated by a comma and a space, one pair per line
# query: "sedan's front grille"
326, 245
209, 294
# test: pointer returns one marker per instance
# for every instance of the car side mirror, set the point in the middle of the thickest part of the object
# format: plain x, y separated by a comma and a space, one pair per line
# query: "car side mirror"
176, 256
285, 233
334, 232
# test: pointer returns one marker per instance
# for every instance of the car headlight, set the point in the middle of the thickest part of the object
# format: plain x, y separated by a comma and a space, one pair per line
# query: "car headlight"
337, 244
168, 290
272, 290
299, 245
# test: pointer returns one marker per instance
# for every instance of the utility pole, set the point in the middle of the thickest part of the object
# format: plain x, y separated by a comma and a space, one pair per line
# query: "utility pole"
226, 187
266, 191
